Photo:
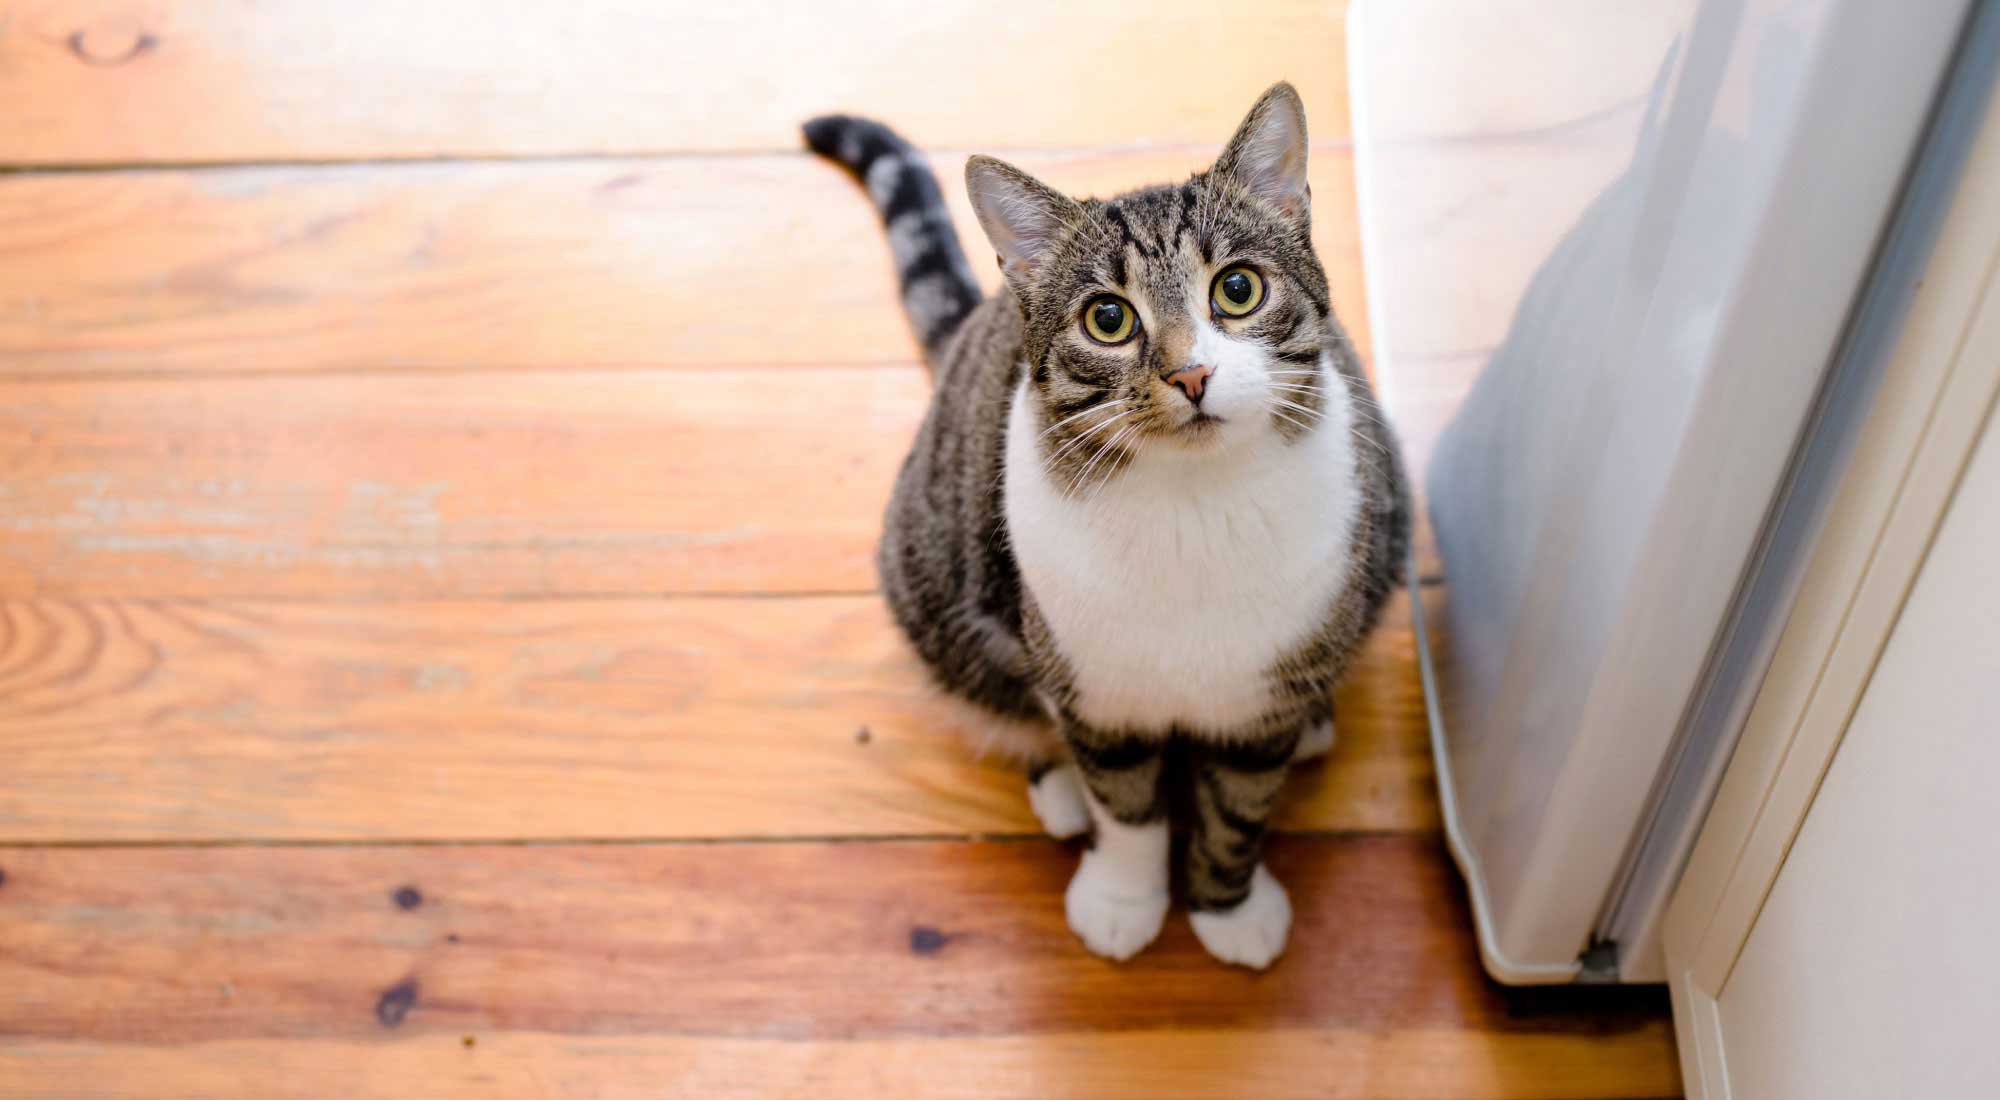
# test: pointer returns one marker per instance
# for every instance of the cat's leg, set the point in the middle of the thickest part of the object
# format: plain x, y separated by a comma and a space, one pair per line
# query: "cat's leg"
1055, 793
1239, 911
1055, 790
1315, 742
1117, 899
1055, 785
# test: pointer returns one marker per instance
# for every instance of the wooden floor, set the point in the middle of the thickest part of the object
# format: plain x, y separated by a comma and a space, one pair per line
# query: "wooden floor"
443, 447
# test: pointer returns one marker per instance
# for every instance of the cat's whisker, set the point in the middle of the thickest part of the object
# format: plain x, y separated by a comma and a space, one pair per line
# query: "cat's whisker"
1360, 458
1303, 422
1289, 420
1312, 390
1377, 421
1071, 419
1083, 477
1356, 433
1362, 411
1104, 406
1278, 406
1117, 442
1085, 435
1281, 402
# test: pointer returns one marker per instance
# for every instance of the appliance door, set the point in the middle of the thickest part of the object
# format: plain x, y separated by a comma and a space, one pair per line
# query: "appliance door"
1615, 247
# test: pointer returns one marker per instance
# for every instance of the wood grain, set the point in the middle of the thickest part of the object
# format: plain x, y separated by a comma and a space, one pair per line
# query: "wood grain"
456, 484
178, 720
567, 265
437, 653
797, 947
452, 484
91, 81
1270, 1064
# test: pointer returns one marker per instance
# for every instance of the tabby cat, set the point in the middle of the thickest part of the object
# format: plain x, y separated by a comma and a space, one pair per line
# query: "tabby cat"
1151, 514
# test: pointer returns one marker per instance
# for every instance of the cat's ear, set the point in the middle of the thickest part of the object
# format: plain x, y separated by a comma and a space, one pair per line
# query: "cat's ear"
1268, 154
1022, 216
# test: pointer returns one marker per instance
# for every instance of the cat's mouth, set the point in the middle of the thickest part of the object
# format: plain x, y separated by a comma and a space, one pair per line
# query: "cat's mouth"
1197, 431
1200, 431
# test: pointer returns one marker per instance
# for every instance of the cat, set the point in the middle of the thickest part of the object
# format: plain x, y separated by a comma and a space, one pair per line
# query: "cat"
1152, 512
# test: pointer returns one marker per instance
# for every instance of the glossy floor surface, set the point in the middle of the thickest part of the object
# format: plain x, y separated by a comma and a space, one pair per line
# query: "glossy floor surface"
438, 648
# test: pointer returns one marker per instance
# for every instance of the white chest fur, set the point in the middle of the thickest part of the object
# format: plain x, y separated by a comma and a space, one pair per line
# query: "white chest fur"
1173, 589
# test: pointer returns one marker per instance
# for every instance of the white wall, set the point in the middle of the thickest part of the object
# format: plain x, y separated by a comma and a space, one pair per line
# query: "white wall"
1874, 968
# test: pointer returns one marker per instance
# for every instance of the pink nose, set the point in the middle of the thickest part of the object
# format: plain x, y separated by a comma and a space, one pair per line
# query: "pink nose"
1191, 381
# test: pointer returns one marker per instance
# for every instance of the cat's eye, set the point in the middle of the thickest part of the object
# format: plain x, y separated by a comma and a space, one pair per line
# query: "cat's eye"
1109, 320
1238, 292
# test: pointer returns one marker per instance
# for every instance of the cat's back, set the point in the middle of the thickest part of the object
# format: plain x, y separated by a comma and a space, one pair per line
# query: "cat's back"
947, 564
980, 364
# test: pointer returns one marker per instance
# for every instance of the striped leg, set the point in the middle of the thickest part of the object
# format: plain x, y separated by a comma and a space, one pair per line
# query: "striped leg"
1240, 913
1117, 899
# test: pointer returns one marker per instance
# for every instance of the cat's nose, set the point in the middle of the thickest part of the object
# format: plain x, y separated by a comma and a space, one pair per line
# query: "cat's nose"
1191, 381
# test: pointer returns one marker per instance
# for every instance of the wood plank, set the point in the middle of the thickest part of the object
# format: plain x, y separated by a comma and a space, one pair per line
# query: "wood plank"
1108, 1065
88, 81
692, 962
349, 487
452, 484
570, 265
177, 720
457, 484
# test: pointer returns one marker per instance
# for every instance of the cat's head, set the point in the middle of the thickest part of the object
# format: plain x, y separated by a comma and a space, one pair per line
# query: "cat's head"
1185, 318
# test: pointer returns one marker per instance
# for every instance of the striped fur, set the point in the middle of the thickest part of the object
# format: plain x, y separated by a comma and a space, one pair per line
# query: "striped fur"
938, 288
1070, 543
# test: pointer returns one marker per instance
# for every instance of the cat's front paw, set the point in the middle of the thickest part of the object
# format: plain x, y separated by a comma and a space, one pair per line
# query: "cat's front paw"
1057, 799
1253, 933
1114, 918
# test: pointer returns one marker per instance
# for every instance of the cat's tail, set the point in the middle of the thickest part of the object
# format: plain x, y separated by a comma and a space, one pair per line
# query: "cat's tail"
938, 288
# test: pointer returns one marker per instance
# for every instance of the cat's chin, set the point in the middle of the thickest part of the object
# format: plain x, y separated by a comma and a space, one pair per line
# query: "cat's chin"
1201, 434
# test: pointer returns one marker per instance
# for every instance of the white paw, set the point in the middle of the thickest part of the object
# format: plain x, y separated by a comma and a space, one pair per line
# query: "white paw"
1314, 743
1114, 919
1057, 799
1253, 933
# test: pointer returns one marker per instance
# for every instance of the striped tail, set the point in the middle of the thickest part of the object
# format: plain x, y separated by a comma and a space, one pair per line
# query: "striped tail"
938, 288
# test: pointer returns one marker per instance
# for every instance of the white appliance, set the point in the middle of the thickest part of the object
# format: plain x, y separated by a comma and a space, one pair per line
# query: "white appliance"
1641, 259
